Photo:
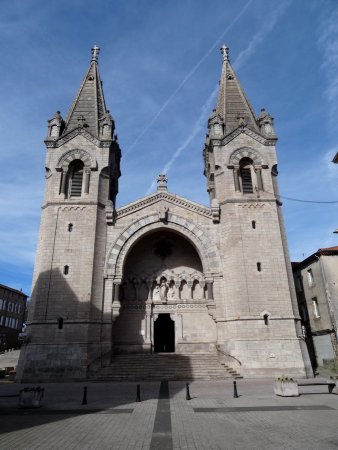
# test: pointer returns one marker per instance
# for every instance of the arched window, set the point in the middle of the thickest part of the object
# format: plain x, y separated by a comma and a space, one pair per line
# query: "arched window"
75, 177
245, 168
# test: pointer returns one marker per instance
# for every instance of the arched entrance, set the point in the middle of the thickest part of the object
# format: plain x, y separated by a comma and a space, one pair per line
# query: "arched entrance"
162, 296
164, 334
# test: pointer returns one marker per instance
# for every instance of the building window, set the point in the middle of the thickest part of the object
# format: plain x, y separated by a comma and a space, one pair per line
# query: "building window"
70, 227
316, 312
253, 224
66, 270
245, 175
75, 177
259, 267
60, 323
310, 277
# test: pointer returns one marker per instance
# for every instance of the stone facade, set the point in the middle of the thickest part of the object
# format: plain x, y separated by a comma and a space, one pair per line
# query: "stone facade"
162, 274
316, 282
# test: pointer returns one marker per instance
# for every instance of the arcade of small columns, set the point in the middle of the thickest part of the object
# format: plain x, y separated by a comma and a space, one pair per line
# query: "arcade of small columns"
192, 290
164, 289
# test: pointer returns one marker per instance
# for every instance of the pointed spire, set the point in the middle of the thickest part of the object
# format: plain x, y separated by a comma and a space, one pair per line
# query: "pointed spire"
232, 106
89, 108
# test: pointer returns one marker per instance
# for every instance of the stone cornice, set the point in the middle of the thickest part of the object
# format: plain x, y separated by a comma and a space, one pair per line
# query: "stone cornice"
79, 131
73, 204
250, 201
248, 132
171, 198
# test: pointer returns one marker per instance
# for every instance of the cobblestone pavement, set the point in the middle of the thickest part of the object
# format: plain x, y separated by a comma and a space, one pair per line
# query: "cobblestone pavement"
212, 419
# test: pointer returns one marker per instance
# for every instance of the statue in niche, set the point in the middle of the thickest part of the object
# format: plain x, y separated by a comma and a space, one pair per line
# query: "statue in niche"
163, 290
171, 291
163, 213
156, 293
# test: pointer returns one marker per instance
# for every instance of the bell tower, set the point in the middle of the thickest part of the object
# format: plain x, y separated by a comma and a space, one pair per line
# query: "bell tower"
65, 321
259, 306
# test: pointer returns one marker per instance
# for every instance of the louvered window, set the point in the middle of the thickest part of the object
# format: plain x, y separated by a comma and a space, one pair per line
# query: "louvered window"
245, 175
75, 179
246, 181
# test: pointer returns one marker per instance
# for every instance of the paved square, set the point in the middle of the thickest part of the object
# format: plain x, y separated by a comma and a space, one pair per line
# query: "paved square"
164, 419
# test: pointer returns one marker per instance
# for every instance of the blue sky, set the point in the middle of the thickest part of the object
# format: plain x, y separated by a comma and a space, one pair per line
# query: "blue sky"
160, 64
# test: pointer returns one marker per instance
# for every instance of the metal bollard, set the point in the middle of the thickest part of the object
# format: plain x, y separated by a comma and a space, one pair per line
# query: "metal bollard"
138, 393
235, 390
187, 397
84, 400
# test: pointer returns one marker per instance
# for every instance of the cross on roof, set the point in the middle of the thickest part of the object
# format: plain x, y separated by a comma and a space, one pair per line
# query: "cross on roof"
95, 53
225, 52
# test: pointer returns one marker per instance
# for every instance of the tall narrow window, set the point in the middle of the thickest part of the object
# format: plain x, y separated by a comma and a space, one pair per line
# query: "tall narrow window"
245, 174
60, 323
75, 177
310, 277
316, 312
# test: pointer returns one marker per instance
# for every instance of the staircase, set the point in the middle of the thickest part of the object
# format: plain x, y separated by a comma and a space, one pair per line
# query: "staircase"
169, 366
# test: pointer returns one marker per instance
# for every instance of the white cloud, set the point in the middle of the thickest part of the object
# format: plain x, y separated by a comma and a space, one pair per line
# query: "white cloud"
269, 24
328, 44
188, 76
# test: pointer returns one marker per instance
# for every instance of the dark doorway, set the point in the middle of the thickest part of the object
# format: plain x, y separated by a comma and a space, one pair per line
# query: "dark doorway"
164, 334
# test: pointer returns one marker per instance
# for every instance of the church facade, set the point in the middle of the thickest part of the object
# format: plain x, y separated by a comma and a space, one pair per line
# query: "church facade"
163, 274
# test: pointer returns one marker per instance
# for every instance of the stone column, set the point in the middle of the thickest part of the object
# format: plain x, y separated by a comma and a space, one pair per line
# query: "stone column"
148, 325
236, 179
86, 180
108, 295
210, 291
116, 305
190, 286
63, 182
259, 179
202, 284
179, 327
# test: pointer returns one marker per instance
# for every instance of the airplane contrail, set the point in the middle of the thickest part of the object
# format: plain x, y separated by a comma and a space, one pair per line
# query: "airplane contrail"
186, 78
240, 60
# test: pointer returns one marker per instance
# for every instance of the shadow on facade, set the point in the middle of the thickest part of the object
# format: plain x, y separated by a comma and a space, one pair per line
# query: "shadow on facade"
66, 335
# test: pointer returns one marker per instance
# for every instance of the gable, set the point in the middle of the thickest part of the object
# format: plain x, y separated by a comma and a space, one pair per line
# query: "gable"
169, 198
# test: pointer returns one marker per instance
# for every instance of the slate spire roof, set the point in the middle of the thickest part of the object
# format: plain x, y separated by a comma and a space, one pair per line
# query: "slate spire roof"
89, 105
232, 105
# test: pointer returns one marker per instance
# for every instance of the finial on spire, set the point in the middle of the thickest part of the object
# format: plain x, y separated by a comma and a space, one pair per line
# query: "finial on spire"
225, 52
95, 53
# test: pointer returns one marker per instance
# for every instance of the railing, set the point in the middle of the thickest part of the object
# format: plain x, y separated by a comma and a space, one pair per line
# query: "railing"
227, 354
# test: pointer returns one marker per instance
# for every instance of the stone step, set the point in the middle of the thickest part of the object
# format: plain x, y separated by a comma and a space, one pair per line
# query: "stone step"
165, 366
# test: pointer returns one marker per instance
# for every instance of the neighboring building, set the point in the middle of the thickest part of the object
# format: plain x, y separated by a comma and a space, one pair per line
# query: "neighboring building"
316, 281
162, 274
12, 316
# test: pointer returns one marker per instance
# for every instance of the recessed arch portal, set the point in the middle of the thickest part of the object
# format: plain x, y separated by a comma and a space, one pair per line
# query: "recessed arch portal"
207, 251
162, 276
